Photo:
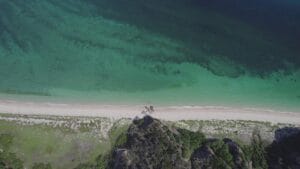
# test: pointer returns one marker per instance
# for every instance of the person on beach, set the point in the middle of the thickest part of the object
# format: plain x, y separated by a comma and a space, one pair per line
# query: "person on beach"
147, 110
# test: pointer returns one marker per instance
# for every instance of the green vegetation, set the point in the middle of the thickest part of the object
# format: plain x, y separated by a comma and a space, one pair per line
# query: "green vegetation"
256, 152
117, 135
121, 139
8, 159
49, 144
220, 163
5, 141
191, 141
222, 152
101, 162
42, 147
41, 166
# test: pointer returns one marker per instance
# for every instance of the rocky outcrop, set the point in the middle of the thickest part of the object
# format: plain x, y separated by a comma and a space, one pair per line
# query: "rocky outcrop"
237, 154
217, 154
284, 152
153, 145
150, 144
203, 158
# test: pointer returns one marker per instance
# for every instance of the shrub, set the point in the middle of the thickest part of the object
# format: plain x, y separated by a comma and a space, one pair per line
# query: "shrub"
41, 166
10, 160
258, 152
191, 141
222, 151
5, 141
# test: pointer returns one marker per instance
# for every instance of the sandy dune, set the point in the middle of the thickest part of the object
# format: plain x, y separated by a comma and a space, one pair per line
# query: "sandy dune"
172, 113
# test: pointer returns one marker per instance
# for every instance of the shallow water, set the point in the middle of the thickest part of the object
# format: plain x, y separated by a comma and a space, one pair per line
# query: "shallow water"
152, 52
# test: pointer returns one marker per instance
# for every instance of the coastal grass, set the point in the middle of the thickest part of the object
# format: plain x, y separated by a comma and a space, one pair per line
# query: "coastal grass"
68, 142
61, 148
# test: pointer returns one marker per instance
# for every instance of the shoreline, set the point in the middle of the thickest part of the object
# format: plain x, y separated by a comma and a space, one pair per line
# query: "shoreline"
170, 113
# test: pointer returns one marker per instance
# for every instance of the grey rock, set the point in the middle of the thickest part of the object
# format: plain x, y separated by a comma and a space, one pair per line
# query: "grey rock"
202, 158
150, 145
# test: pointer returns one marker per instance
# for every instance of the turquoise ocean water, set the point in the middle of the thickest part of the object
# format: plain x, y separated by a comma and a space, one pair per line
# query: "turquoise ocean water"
170, 52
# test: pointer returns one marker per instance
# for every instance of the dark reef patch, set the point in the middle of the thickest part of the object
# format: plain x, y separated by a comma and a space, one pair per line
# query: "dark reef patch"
198, 24
257, 36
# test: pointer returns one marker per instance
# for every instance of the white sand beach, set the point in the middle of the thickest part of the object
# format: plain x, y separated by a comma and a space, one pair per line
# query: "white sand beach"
171, 113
